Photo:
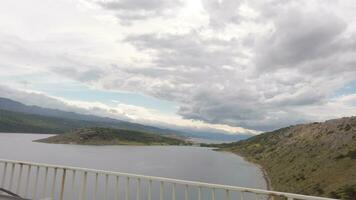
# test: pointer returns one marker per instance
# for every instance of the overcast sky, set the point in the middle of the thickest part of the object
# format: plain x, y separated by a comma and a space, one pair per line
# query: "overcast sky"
241, 66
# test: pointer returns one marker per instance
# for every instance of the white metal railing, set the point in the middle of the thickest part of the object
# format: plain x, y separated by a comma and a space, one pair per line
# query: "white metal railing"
39, 181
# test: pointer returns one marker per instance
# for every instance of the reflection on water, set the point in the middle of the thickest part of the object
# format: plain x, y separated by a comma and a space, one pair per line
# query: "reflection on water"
190, 163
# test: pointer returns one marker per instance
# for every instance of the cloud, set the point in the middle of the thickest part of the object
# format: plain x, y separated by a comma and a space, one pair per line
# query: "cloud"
128, 11
222, 12
297, 59
254, 64
187, 50
302, 37
86, 75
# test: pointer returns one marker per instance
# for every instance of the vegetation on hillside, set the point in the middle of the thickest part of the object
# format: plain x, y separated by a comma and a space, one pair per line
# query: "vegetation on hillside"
17, 117
17, 122
315, 159
109, 136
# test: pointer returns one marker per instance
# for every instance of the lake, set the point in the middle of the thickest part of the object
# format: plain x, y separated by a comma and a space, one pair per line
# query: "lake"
180, 162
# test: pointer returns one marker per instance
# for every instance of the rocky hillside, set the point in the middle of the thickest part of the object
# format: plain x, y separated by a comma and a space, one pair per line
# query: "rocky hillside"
316, 159
109, 136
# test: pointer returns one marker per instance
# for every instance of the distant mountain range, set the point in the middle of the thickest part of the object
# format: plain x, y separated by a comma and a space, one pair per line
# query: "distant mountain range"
18, 117
10, 105
316, 158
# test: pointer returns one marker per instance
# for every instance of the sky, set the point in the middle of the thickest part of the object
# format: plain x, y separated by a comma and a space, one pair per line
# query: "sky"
236, 66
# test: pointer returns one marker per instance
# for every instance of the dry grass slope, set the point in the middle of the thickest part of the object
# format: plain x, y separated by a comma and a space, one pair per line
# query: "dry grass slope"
316, 159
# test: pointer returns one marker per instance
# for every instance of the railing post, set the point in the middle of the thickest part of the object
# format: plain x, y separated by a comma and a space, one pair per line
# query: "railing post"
4, 175
161, 190
174, 191
106, 186
45, 183
138, 189
228, 195
242, 196
28, 179
150, 190
19, 180
186, 192
213, 194
96, 186
12, 175
117, 187
82, 194
61, 194
199, 193
36, 182
73, 184
127, 193
54, 183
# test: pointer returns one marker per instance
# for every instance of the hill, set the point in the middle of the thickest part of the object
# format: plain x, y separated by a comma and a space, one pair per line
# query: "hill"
315, 159
108, 136
11, 105
29, 118
15, 122
17, 117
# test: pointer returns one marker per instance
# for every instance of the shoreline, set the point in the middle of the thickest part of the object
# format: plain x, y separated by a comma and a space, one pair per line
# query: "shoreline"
264, 172
265, 176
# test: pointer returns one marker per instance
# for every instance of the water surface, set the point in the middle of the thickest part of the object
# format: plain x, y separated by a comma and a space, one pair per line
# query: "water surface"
180, 162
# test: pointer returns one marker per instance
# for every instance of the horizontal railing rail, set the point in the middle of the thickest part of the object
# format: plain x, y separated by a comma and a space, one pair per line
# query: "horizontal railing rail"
61, 182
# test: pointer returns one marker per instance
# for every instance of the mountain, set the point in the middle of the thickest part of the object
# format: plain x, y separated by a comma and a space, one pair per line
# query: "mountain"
16, 122
18, 117
315, 159
26, 118
10, 105
109, 136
